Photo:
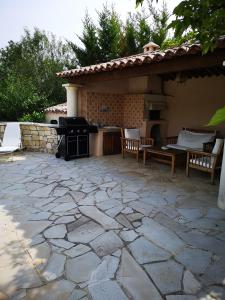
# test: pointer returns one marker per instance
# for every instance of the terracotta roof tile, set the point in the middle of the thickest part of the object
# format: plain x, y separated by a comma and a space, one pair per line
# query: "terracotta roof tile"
138, 59
59, 108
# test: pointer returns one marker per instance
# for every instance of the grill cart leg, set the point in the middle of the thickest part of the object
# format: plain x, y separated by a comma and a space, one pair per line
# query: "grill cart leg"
58, 155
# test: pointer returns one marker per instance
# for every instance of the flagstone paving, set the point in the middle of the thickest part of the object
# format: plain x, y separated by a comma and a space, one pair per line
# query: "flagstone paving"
108, 229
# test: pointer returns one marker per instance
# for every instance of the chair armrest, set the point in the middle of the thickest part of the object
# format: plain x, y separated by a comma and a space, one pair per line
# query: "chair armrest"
200, 153
201, 159
171, 140
147, 141
131, 140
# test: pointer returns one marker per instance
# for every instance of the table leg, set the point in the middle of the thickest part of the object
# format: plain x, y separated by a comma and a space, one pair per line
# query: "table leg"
144, 156
173, 165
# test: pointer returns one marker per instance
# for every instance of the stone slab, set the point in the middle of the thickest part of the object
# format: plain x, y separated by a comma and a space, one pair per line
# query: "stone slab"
55, 267
109, 290
107, 243
128, 235
195, 260
61, 243
40, 255
57, 290
79, 269
123, 221
145, 251
160, 235
101, 218
44, 192
85, 233
106, 269
190, 283
134, 280
64, 207
77, 250
166, 275
56, 231
65, 220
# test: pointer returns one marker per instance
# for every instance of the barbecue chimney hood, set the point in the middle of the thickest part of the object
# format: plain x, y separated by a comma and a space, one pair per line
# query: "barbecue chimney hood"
154, 102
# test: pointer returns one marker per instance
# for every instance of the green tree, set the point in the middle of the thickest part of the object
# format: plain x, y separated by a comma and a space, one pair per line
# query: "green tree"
160, 17
204, 17
128, 40
27, 74
143, 31
90, 52
109, 34
110, 38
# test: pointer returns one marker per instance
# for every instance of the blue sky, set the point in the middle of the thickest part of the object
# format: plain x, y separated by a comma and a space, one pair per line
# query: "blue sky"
61, 17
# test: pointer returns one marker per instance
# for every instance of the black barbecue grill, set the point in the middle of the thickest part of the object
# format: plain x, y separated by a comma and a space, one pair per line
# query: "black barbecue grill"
73, 137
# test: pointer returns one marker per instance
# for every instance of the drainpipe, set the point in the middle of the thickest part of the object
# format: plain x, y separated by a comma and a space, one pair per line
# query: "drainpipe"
72, 99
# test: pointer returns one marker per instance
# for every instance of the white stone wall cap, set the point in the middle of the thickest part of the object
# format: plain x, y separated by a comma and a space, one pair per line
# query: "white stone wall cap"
68, 85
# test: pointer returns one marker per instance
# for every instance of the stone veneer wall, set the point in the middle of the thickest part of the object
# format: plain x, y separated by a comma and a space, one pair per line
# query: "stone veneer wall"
36, 137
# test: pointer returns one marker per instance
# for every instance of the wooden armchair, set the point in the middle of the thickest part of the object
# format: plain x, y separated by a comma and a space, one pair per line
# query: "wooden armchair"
205, 161
134, 145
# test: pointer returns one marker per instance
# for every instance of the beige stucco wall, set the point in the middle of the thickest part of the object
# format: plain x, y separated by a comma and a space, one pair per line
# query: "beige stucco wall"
192, 103
134, 85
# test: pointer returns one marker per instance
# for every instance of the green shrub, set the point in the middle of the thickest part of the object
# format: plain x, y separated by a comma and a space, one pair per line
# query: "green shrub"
38, 117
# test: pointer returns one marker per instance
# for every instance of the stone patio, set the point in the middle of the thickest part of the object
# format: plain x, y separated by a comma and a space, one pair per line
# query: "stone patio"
108, 229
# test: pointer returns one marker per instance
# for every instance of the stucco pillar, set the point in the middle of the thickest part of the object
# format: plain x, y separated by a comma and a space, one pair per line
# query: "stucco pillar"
72, 98
221, 198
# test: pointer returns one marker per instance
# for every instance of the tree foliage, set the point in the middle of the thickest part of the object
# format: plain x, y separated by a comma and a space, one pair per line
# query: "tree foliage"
218, 117
204, 18
160, 23
27, 74
90, 52
109, 34
128, 39
143, 32
111, 38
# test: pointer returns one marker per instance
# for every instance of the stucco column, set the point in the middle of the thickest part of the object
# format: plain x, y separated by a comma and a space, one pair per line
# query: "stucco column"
221, 198
72, 98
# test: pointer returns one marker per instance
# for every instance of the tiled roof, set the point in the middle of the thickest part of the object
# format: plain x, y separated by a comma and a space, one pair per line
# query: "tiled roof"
59, 108
138, 59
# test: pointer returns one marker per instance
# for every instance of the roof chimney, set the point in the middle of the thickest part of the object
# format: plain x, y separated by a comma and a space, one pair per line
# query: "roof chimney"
150, 47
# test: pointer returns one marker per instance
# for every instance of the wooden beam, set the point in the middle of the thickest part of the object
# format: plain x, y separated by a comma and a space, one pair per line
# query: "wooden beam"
175, 65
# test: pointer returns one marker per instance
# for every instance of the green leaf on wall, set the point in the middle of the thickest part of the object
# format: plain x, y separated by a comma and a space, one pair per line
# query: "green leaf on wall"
218, 117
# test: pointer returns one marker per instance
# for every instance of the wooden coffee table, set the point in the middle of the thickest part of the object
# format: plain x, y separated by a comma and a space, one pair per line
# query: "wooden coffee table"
169, 156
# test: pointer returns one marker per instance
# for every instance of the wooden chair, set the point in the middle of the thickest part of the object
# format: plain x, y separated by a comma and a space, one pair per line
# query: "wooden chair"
205, 161
134, 145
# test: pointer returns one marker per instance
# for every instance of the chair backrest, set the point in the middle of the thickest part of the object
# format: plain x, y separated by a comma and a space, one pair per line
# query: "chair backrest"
132, 133
201, 130
12, 135
217, 149
194, 139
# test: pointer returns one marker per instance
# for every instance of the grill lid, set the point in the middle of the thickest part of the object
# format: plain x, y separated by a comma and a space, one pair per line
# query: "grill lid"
72, 121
